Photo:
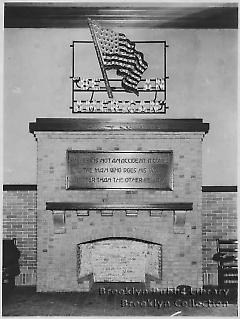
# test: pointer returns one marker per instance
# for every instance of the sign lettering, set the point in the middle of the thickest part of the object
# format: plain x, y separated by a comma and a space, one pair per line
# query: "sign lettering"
151, 170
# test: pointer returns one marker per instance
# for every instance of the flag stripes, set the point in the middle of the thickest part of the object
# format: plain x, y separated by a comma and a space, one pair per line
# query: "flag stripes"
119, 53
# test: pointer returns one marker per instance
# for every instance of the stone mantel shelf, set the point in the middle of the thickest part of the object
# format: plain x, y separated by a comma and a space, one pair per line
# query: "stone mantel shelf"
84, 125
103, 206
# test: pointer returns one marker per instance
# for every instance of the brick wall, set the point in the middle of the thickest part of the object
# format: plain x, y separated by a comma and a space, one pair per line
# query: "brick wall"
219, 221
181, 251
19, 221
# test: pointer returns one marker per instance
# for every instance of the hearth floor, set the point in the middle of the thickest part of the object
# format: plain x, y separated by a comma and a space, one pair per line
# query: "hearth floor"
25, 301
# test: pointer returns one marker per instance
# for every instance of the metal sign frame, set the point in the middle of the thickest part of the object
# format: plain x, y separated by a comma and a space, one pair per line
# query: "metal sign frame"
114, 83
169, 187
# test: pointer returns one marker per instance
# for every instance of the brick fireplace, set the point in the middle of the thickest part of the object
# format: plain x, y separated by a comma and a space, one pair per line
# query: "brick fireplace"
127, 233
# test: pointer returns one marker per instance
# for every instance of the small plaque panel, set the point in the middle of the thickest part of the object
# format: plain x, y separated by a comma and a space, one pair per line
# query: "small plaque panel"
119, 170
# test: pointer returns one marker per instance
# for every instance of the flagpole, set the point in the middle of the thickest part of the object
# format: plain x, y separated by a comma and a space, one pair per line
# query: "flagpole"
100, 60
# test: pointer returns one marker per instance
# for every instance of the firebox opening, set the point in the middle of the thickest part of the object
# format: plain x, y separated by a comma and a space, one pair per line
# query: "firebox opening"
119, 259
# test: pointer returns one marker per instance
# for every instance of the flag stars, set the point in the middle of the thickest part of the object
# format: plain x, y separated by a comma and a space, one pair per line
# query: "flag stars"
119, 53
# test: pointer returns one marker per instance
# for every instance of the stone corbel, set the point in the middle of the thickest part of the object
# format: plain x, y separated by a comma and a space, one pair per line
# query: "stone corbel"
179, 220
59, 222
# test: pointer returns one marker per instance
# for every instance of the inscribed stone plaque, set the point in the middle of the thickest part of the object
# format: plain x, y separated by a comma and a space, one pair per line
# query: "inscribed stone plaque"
121, 170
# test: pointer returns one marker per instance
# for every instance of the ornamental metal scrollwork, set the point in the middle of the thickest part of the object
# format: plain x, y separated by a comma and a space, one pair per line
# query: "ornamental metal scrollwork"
129, 65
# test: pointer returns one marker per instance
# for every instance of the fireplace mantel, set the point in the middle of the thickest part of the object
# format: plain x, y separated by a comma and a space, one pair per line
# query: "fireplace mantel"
99, 206
69, 216
153, 125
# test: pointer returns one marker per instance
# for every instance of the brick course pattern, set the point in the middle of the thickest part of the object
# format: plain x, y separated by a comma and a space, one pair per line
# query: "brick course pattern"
181, 251
19, 221
219, 221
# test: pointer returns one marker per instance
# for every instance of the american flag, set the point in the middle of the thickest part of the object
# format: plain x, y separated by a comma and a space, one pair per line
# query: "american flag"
119, 53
